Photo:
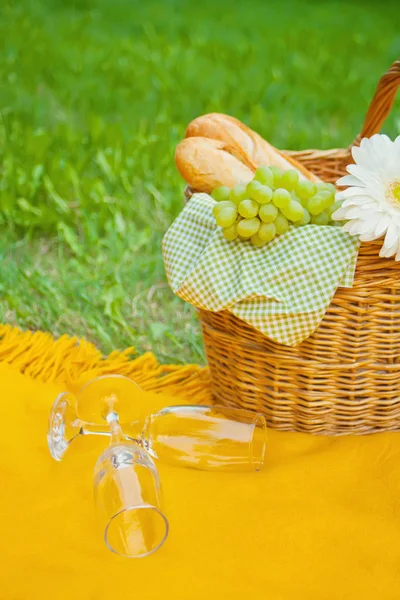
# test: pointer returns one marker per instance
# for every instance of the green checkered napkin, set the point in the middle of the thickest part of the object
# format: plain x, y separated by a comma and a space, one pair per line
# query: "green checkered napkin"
282, 289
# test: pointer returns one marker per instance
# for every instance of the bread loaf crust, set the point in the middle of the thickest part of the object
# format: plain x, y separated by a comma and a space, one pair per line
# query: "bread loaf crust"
244, 140
206, 163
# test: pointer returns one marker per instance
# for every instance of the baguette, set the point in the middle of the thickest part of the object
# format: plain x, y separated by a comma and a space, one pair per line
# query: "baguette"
244, 140
207, 163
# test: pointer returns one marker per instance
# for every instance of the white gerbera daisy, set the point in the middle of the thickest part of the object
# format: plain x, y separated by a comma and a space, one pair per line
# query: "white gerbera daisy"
371, 203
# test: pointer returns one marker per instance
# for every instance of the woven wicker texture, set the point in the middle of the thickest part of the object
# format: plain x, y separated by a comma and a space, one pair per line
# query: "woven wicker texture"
345, 378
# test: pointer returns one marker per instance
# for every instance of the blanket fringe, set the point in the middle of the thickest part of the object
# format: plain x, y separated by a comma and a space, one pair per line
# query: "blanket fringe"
75, 361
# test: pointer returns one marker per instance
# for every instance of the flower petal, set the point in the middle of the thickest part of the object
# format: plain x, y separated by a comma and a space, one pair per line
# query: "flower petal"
368, 236
354, 227
382, 225
359, 191
362, 157
387, 251
352, 191
339, 214
360, 201
379, 149
357, 212
392, 234
349, 180
368, 177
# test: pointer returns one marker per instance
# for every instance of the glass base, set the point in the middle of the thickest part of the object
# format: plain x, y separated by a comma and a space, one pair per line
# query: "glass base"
63, 425
109, 393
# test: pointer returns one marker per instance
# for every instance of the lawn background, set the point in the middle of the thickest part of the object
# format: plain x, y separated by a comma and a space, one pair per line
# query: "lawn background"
94, 97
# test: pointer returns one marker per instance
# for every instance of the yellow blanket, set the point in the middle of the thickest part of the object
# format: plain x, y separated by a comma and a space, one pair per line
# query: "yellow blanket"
320, 522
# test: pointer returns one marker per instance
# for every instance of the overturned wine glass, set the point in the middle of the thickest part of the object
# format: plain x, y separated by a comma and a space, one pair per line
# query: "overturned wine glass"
195, 436
127, 497
127, 486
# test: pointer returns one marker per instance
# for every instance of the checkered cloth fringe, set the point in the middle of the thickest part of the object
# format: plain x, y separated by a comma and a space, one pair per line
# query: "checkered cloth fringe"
282, 289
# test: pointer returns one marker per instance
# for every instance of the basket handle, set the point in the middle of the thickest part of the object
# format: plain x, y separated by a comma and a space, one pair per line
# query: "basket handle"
381, 103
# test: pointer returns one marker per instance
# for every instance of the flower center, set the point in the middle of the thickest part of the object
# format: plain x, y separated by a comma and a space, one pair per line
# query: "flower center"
393, 194
396, 191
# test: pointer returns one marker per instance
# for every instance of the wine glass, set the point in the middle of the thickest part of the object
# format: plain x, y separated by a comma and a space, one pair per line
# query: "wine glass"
127, 496
126, 481
200, 437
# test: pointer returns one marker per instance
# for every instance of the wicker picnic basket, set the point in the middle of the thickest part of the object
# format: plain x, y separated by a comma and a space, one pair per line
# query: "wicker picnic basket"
343, 379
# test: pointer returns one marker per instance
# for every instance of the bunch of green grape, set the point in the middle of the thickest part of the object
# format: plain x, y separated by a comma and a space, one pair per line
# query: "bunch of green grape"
271, 203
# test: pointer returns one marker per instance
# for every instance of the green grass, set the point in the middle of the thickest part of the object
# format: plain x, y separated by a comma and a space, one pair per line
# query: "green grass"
94, 97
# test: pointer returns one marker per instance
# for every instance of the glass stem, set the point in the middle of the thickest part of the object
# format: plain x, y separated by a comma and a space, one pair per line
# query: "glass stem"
114, 430
90, 429
117, 434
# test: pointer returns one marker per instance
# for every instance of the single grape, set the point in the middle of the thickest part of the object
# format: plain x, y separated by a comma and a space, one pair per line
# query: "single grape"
306, 189
258, 192
281, 224
230, 233
326, 187
221, 205
248, 227
316, 204
264, 195
289, 179
252, 188
257, 241
281, 198
267, 232
221, 193
321, 219
268, 213
293, 212
331, 188
238, 193
327, 191
305, 220
248, 208
277, 173
265, 176
226, 217
328, 198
